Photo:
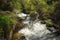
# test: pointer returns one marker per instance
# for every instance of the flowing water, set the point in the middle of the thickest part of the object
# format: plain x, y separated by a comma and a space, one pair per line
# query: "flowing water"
35, 30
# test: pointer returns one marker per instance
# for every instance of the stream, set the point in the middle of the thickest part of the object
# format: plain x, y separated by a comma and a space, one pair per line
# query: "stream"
35, 30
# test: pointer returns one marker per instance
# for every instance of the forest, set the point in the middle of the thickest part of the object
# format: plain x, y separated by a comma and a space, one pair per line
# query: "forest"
46, 11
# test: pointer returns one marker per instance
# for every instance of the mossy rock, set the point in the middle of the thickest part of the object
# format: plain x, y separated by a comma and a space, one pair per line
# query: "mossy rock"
18, 35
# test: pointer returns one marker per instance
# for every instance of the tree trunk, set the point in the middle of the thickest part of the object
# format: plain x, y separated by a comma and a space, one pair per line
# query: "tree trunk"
9, 36
11, 33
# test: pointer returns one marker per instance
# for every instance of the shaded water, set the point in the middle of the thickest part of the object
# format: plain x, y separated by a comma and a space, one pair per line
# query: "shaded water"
34, 30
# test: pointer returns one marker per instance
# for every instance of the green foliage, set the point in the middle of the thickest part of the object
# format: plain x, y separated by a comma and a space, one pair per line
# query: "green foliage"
5, 24
16, 4
49, 2
7, 19
5, 5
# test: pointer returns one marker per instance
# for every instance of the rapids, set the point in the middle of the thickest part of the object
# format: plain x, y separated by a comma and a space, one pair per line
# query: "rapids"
35, 30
